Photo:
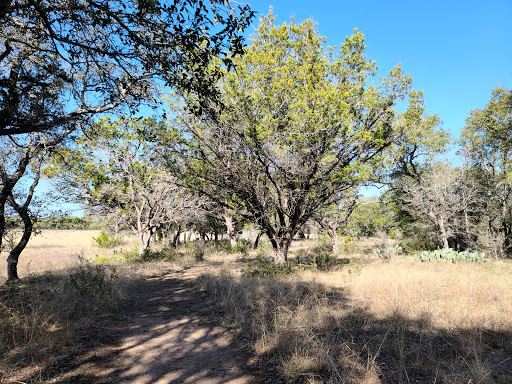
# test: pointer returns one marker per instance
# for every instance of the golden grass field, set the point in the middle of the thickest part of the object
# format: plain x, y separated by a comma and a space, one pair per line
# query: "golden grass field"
56, 249
376, 321
367, 320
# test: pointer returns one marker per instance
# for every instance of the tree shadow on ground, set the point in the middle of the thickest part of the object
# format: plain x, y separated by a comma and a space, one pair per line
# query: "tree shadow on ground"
310, 332
164, 334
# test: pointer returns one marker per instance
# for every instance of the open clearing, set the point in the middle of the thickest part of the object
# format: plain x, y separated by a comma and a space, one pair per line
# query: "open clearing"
366, 321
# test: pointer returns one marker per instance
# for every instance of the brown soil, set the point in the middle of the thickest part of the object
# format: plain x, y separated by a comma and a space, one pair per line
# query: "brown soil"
166, 334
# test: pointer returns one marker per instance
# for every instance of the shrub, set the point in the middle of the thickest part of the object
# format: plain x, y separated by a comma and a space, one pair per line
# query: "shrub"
93, 281
167, 254
106, 241
224, 246
266, 267
388, 252
105, 259
452, 256
318, 258
242, 246
410, 245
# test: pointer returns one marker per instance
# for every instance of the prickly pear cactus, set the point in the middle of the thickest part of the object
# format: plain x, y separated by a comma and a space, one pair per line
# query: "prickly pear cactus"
451, 255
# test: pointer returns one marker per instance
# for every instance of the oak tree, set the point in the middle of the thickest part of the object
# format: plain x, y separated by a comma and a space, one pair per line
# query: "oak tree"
302, 124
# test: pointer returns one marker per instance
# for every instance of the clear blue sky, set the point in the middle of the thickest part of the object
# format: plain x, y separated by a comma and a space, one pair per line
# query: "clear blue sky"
455, 51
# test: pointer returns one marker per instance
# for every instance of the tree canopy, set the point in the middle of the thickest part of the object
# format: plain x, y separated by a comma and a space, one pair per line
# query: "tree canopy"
302, 124
100, 54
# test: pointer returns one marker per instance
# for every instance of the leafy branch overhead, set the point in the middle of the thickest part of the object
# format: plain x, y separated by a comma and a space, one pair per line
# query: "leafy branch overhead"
103, 54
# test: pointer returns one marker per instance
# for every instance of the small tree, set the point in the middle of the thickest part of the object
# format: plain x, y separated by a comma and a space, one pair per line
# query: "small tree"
335, 217
107, 54
441, 196
114, 170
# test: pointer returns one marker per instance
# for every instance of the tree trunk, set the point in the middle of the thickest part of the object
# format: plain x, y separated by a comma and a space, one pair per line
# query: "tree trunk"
257, 241
164, 240
444, 235
144, 241
334, 242
230, 226
281, 246
12, 260
281, 254
176, 239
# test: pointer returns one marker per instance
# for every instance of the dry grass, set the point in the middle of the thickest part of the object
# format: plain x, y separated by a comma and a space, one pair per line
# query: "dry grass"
50, 313
47, 317
373, 321
368, 321
453, 296
56, 249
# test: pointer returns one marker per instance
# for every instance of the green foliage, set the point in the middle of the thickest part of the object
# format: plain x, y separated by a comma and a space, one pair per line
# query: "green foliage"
224, 246
168, 254
418, 237
388, 252
242, 246
266, 267
106, 241
66, 222
93, 280
319, 258
195, 250
452, 256
291, 106
355, 266
105, 259
370, 217
199, 253
487, 146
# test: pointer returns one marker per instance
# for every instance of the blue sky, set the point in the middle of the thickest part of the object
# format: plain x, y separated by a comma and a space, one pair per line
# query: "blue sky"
455, 51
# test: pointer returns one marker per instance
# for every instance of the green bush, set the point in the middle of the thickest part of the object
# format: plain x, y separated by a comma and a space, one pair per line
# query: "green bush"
242, 246
224, 246
199, 253
93, 281
266, 267
106, 259
106, 241
322, 257
410, 245
388, 252
453, 256
168, 254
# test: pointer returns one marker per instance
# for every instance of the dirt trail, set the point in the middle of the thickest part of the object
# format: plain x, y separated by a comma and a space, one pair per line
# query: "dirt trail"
168, 337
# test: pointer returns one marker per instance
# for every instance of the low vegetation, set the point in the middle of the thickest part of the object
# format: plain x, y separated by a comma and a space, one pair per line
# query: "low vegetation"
104, 240
384, 322
369, 314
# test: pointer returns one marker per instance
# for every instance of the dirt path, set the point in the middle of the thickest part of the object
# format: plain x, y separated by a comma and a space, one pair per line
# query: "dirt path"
167, 337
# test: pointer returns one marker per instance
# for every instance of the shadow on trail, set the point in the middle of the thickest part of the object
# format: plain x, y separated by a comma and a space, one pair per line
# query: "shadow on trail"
164, 334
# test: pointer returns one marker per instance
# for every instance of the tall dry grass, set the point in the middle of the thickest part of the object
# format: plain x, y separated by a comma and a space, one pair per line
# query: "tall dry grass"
56, 249
375, 322
47, 317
